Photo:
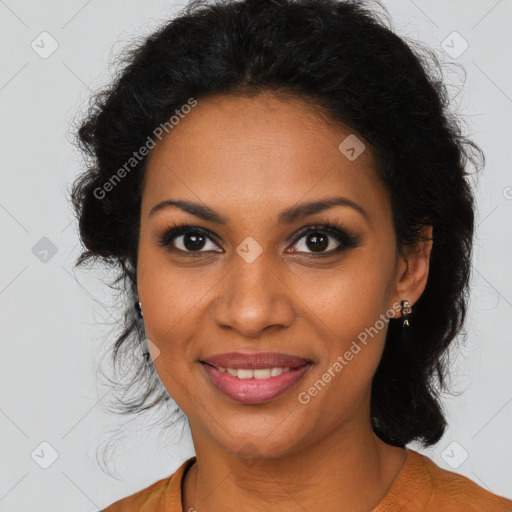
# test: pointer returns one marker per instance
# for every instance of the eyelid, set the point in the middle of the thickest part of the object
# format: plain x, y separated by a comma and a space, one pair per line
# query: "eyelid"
177, 230
327, 227
344, 237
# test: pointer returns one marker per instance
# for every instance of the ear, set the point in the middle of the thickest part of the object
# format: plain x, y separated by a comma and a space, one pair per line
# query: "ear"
412, 268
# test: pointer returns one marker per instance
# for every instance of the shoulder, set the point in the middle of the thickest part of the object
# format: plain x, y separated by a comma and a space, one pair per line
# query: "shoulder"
142, 498
455, 492
164, 494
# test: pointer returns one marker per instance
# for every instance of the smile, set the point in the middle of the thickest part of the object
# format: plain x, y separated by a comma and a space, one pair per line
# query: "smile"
260, 373
255, 386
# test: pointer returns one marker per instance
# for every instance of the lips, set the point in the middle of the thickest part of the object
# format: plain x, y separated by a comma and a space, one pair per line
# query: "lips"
255, 361
239, 376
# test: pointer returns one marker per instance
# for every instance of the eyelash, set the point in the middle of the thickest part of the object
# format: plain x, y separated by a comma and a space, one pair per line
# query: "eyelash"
346, 240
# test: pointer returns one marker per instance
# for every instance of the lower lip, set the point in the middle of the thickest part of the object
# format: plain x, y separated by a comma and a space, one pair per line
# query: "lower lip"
254, 391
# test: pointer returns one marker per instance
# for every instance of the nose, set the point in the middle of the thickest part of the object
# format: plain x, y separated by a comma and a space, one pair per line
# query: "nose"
253, 299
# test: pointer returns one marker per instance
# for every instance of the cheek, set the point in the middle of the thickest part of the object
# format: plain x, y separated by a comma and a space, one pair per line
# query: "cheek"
172, 297
349, 309
351, 298
169, 304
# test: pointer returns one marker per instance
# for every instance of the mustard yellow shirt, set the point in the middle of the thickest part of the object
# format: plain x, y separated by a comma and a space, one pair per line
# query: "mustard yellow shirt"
421, 486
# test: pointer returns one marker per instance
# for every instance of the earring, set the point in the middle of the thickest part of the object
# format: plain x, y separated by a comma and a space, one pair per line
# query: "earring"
406, 310
138, 308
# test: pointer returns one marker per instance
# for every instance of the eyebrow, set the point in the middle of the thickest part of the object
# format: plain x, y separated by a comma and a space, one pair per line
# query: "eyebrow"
287, 216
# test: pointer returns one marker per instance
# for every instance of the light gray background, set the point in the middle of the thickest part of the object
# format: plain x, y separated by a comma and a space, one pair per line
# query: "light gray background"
55, 329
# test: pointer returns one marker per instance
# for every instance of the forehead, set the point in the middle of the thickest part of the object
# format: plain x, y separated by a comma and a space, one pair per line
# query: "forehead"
258, 150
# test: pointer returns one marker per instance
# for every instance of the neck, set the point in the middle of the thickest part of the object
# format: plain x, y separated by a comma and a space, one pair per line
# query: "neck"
348, 470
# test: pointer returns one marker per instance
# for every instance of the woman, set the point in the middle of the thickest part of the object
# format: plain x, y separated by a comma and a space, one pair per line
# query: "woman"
286, 195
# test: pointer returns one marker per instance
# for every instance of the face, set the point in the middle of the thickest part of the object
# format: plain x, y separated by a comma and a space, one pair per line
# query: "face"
255, 273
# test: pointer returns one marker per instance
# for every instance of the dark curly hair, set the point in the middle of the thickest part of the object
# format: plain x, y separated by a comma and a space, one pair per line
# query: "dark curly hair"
344, 58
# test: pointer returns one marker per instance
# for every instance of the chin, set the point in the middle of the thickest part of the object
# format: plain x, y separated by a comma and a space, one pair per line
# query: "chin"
259, 444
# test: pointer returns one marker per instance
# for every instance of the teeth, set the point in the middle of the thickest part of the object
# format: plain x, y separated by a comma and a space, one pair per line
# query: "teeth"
244, 373
260, 373
274, 372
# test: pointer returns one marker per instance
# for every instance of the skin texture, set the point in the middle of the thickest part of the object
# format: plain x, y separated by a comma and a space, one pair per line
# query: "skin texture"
249, 159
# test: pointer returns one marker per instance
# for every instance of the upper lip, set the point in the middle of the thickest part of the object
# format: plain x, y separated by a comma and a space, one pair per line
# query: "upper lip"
255, 360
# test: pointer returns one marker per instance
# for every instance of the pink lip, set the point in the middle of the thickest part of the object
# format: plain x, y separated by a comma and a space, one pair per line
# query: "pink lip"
255, 360
255, 391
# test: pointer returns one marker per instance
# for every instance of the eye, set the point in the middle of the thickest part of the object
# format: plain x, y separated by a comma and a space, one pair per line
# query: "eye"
193, 239
187, 239
324, 241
